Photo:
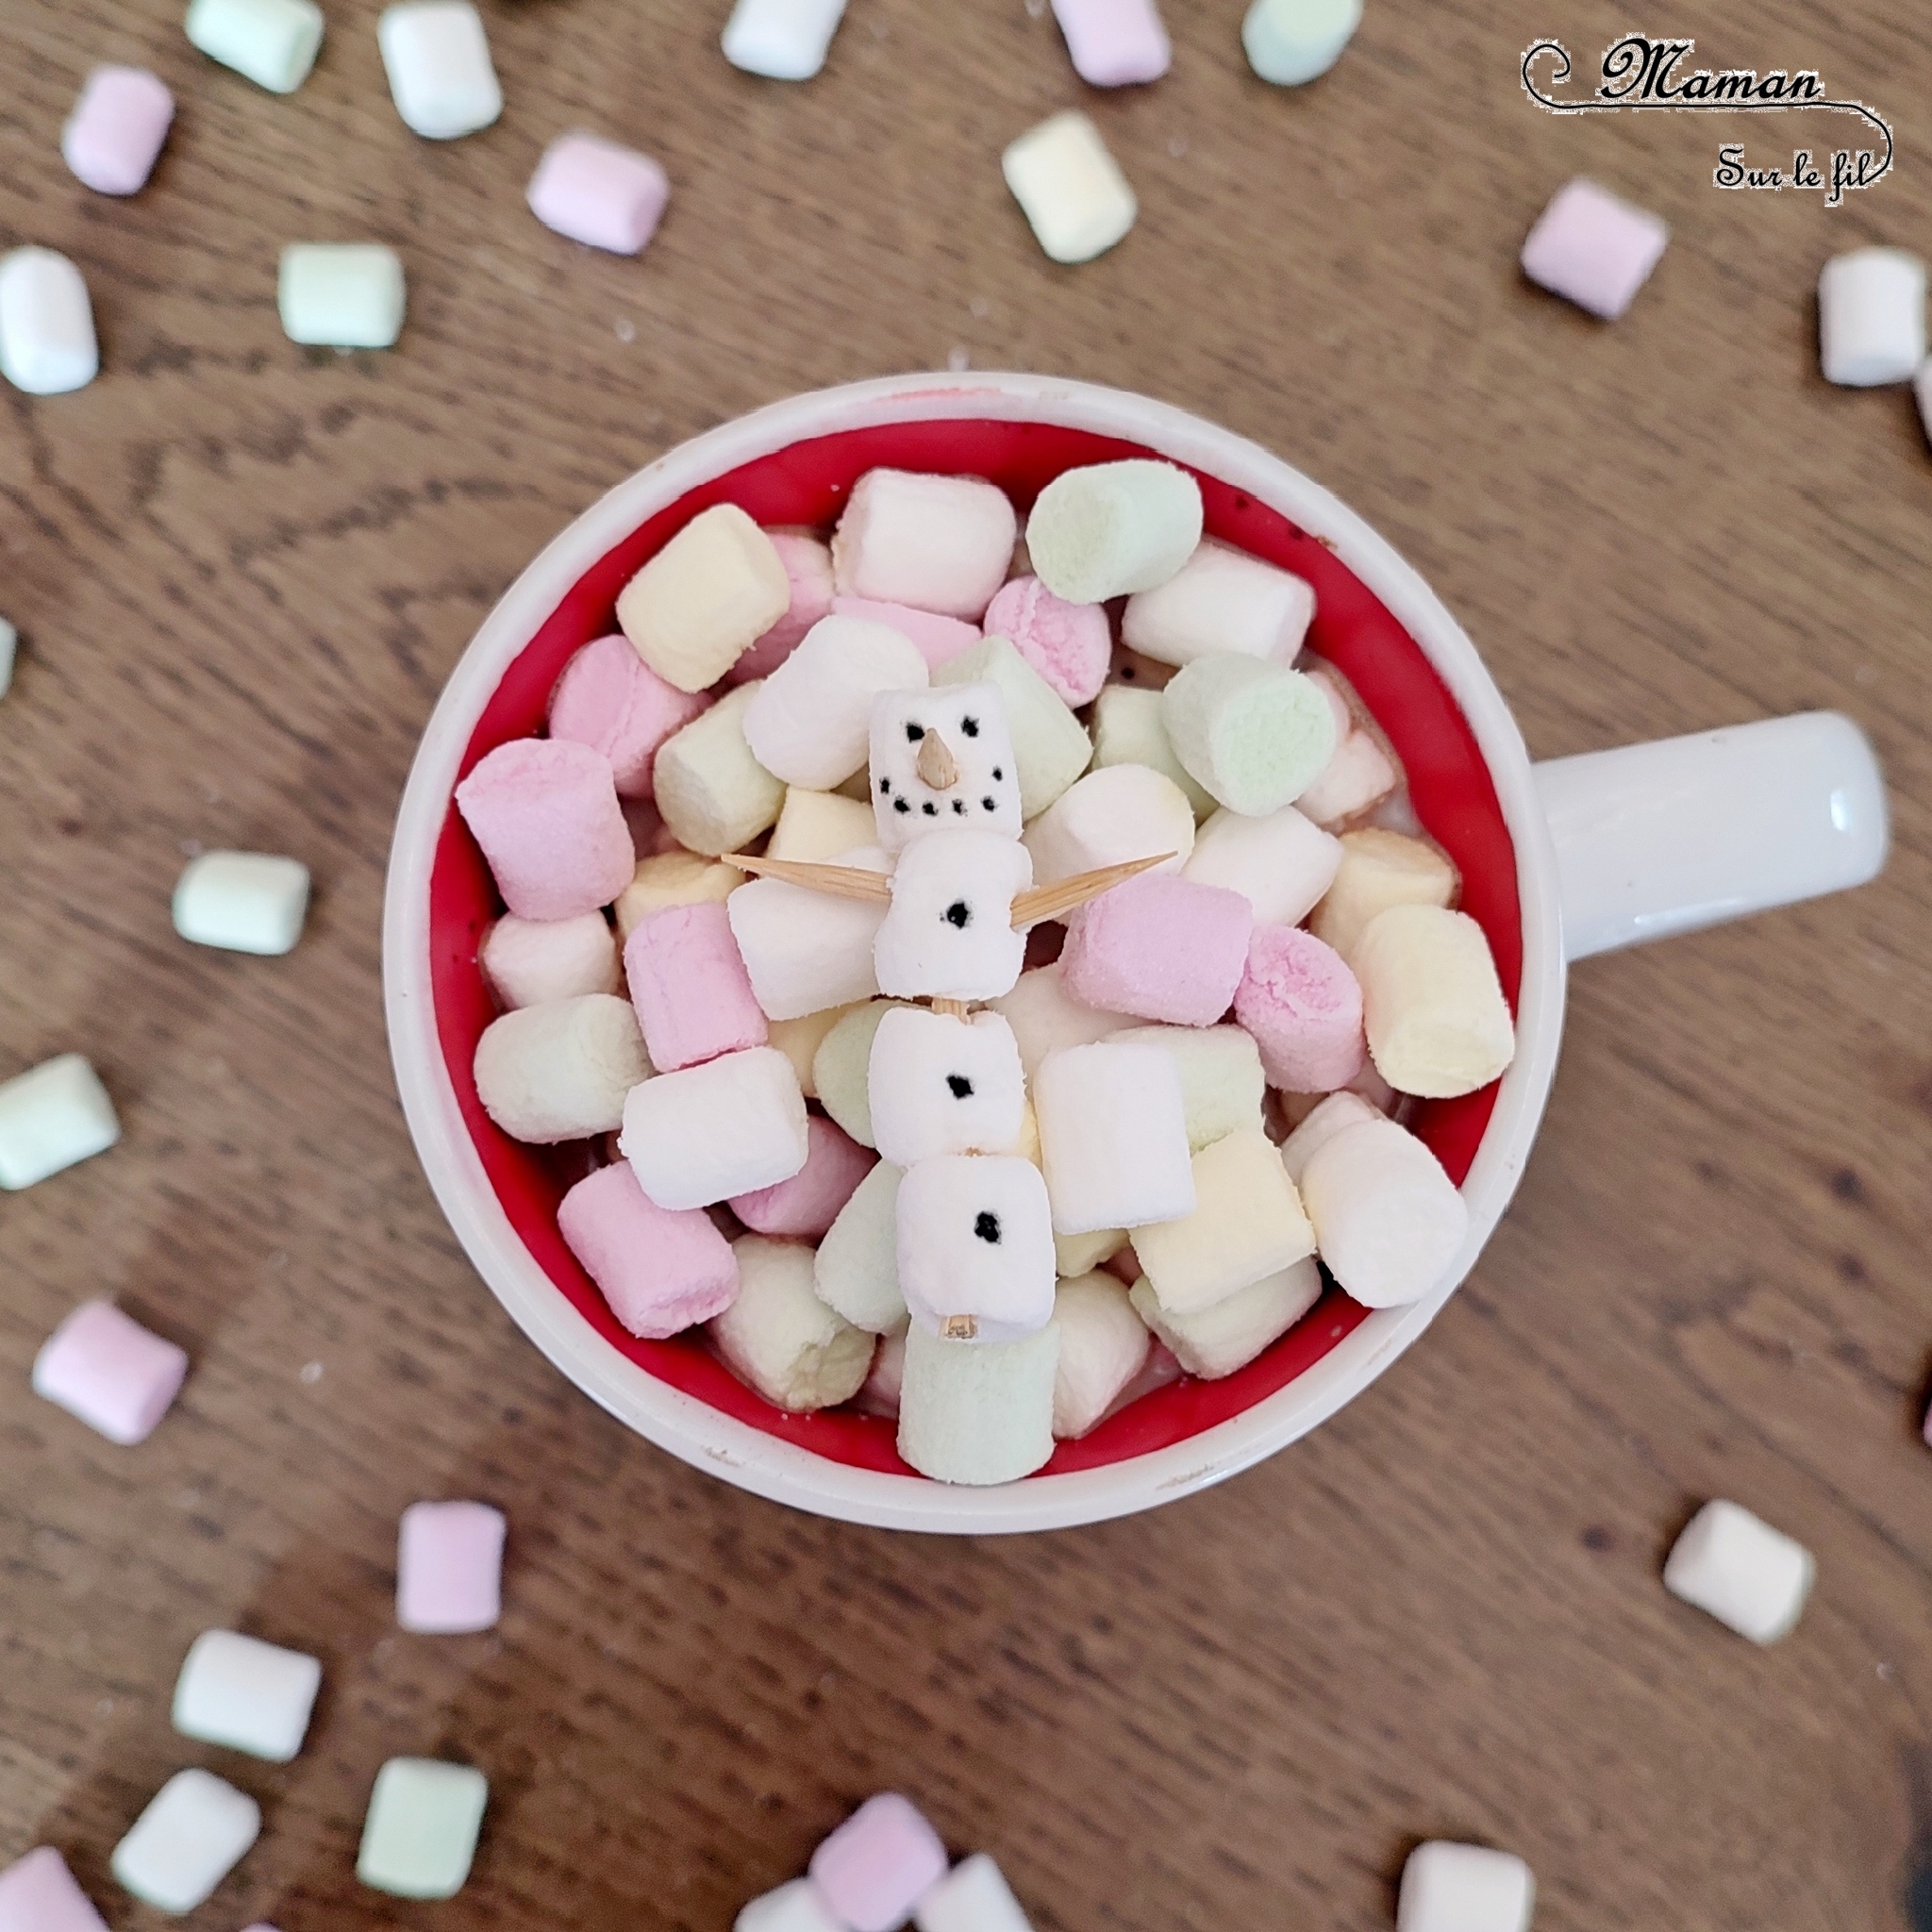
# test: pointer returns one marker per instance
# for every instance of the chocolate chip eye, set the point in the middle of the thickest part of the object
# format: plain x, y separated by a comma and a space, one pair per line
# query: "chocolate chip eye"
959, 805
960, 914
987, 1226
900, 805
998, 775
914, 733
885, 788
970, 726
988, 805
931, 810
962, 1086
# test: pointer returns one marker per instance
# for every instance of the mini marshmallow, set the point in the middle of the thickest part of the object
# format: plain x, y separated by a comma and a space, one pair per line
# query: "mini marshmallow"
560, 1071
545, 813
780, 1338
1220, 599
819, 826
193, 1833
976, 1238
810, 721
1304, 1008
449, 1568
1379, 870
1071, 190
797, 1906
1160, 948
942, 1084
341, 295
1248, 1222
1222, 1084
1112, 529
804, 1207
947, 759
935, 543
880, 1395
1281, 864
1076, 1254
1437, 1024
688, 984
1253, 734
781, 39
420, 1836
1871, 317
528, 962
948, 933
47, 344
799, 1040
1050, 745
105, 1368
436, 58
113, 137
1114, 42
807, 950
972, 1897
38, 1893
1113, 1135
52, 1116
714, 794
1320, 1124
1289, 42
1388, 1221
842, 1067
1127, 811
243, 901
730, 1127
855, 1268
1069, 644
611, 700
1216, 1340
1597, 250
938, 639
1452, 1887
672, 878
603, 194
247, 1694
1103, 1345
1357, 776
1742, 1571
977, 1412
1128, 730
661, 1270
808, 575
879, 1864
1045, 1017
711, 592
272, 42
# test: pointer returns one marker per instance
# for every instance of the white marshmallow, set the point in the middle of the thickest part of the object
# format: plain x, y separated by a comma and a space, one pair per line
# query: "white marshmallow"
1112, 529
1248, 1224
1359, 775
528, 962
1128, 730
1045, 1017
1871, 317
1215, 1342
1452, 1887
780, 40
948, 933
1076, 1254
705, 599
972, 1897
51, 1116
810, 721
436, 58
560, 1071
710, 791
970, 722
1127, 811
1103, 1345
1742, 1571
1291, 42
1333, 1114
856, 1271
780, 1337
1388, 1221
47, 343
805, 950
796, 1907
341, 295
1050, 745
1380, 869
192, 1835
977, 1412
1220, 599
1071, 191
939, 543
243, 902
1113, 1135
1222, 1083
842, 1069
249, 1695
672, 878
730, 1127
975, 1237
1433, 1007
942, 1084
819, 826
1281, 864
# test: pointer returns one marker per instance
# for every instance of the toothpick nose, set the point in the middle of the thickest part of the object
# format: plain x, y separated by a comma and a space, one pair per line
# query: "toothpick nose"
936, 766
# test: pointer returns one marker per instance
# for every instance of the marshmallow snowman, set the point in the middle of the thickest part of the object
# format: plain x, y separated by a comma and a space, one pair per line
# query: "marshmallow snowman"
948, 933
938, 1083
975, 1246
942, 759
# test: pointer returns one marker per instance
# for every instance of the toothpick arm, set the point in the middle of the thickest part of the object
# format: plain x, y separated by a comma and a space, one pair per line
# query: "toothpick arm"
1063, 896
840, 881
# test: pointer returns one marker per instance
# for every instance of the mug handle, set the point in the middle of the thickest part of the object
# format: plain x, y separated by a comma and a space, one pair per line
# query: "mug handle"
1688, 832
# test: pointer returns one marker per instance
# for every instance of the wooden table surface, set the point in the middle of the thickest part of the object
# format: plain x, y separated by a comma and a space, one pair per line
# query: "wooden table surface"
242, 572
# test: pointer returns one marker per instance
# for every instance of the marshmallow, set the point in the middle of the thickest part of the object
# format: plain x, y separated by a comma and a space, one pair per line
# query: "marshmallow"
672, 878
341, 295
104, 1366
528, 962
688, 984
1045, 1017
935, 543
946, 759
807, 950
976, 1238
243, 902
1221, 1087
272, 42
1359, 775
247, 1694
1113, 1135
1128, 730
804, 1207
1742, 1571
711, 592
661, 1270
855, 1270
1069, 644
938, 637
1438, 1023
1127, 811
113, 137
880, 1395
51, 1116
780, 1338
9, 645
1379, 870
1332, 1115
730, 1127
1050, 745
545, 813
436, 58
842, 1067
942, 1084
714, 794
818, 826
1158, 948
879, 1864
781, 39
1304, 1008
449, 1568
1228, 1335
972, 1897
808, 577
977, 1412
799, 1040
1103, 1345
1113, 528
948, 933
38, 1893
47, 344
1076, 1254
1871, 317
1071, 190
1254, 734
1597, 250
1388, 1221
560, 1071
192, 1834
1280, 864
611, 700
1291, 42
797, 1906
1452, 1887
1114, 42
603, 194
1220, 599
420, 1836
809, 722
1248, 1224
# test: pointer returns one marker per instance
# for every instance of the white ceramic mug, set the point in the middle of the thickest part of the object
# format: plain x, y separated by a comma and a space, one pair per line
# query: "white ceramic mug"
1611, 848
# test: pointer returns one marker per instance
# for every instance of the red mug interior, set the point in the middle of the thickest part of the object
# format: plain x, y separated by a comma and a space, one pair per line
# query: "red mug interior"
805, 483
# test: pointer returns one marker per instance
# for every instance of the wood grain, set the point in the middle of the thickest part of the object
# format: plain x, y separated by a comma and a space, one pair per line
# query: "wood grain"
242, 572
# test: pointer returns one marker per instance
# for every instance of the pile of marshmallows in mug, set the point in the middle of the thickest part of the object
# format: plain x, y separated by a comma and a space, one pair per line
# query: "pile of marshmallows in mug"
932, 1231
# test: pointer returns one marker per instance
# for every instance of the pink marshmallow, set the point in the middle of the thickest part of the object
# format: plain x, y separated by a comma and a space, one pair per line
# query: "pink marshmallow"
1113, 43
939, 543
1070, 645
688, 982
545, 813
802, 1207
879, 1864
611, 700
1594, 249
111, 1372
449, 1568
38, 1893
1304, 1010
662, 1270
114, 135
938, 637
595, 191
1159, 947
809, 571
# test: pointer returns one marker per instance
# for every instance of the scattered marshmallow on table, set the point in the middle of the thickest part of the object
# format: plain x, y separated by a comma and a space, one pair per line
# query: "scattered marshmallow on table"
977, 1412
560, 1071
272, 42
449, 1568
545, 813
1595, 249
114, 135
436, 58
1114, 42
794, 1908
115, 1375
1103, 1345
941, 544
193, 1833
1291, 42
9, 647
1113, 1135
688, 981
820, 825
976, 1238
730, 1127
672, 878
781, 39
608, 698
38, 1893
938, 637
809, 722
1304, 1008
804, 1207
52, 1116
948, 758
1123, 812
948, 932
972, 1897
1160, 948
1745, 1574
47, 344
528, 962
243, 901
1280, 863
879, 1864
1112, 529
660, 1270
1254, 734
939, 1084
842, 1067
1216, 1340
1871, 317
1378, 869
781, 1339
341, 295
1247, 1224
1045, 1017
601, 194
420, 1836
1454, 1888
247, 1694
1128, 730
1320, 1126
856, 1267
807, 950
1220, 599
714, 796
1222, 1083
1387, 1220
808, 575
1437, 1024
1070, 187
1070, 645
711, 593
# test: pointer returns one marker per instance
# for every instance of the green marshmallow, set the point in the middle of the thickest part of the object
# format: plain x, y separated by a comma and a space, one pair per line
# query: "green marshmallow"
272, 42
1292, 41
1255, 736
842, 1067
421, 1832
1110, 529
1127, 731
1050, 745
341, 295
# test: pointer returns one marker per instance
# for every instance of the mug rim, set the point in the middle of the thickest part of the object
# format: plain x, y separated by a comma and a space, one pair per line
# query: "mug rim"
690, 1428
